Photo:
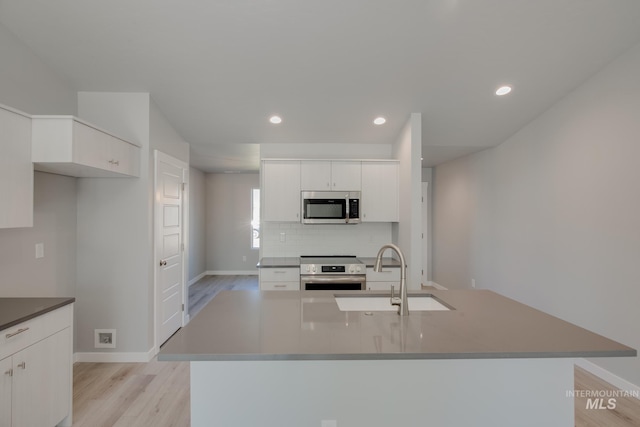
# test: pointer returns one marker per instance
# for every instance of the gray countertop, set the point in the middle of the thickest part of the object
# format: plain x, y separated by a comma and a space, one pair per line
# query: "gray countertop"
307, 325
284, 262
18, 310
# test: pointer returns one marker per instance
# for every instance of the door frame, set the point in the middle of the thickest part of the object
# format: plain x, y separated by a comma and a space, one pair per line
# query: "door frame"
157, 227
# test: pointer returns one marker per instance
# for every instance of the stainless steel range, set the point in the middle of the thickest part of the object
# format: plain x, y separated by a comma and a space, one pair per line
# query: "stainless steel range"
332, 273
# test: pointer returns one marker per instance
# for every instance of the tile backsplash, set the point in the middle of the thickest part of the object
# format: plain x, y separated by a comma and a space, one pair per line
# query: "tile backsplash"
295, 239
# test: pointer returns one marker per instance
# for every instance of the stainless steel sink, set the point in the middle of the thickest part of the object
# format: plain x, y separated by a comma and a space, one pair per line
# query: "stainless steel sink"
382, 303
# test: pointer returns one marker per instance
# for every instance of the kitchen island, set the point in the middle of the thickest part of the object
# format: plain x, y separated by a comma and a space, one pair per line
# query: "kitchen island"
294, 359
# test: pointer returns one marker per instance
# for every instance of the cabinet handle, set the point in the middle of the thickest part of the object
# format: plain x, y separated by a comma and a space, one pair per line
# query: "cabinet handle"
116, 162
19, 331
279, 286
22, 365
279, 271
9, 372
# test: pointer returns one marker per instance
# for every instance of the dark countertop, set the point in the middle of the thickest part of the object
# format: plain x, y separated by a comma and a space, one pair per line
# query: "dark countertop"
293, 262
386, 261
279, 262
307, 325
18, 310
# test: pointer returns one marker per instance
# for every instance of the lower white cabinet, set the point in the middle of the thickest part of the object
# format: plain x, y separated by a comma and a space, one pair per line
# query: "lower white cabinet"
383, 280
36, 369
280, 279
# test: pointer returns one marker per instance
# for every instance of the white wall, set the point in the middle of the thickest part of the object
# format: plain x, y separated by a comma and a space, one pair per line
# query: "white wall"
115, 226
29, 85
26, 83
228, 222
197, 224
324, 239
114, 233
550, 217
407, 232
54, 225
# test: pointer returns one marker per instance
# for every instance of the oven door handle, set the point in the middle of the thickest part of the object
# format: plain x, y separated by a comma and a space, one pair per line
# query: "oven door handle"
333, 279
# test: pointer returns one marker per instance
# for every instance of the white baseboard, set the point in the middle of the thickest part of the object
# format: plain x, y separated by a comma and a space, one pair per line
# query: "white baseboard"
609, 377
232, 272
195, 279
435, 285
104, 357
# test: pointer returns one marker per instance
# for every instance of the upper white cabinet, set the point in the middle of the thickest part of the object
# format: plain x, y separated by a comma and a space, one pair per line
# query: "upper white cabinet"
324, 175
67, 145
380, 196
281, 190
16, 169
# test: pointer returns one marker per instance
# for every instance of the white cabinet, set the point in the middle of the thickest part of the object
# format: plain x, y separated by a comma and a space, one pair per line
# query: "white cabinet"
36, 369
380, 190
383, 280
16, 169
280, 279
281, 190
325, 175
67, 145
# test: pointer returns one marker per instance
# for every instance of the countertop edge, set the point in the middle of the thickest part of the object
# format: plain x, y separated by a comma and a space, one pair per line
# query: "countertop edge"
65, 301
387, 356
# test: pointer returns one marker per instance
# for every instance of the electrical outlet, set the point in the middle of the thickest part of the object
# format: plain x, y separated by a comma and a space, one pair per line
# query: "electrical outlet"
104, 338
244, 258
473, 283
329, 423
39, 250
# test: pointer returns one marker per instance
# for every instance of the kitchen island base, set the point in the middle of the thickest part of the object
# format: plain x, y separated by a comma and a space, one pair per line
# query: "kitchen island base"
382, 393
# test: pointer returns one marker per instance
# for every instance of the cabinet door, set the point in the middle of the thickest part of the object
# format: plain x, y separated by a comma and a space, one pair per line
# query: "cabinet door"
315, 175
346, 176
42, 382
281, 190
379, 192
6, 376
16, 170
90, 147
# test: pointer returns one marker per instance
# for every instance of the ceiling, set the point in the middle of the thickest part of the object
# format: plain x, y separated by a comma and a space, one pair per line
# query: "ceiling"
218, 69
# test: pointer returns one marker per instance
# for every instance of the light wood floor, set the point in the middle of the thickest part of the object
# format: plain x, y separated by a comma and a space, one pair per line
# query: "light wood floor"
156, 394
203, 291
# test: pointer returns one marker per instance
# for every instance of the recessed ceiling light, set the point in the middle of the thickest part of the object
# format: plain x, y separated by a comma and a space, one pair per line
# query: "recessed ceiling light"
503, 90
379, 121
275, 120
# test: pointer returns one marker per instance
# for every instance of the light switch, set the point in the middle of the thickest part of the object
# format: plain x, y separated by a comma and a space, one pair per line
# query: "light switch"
39, 250
283, 237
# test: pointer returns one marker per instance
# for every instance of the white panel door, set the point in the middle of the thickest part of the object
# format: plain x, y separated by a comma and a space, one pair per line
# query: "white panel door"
169, 246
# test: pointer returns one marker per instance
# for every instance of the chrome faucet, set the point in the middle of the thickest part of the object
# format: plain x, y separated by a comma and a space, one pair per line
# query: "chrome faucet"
402, 301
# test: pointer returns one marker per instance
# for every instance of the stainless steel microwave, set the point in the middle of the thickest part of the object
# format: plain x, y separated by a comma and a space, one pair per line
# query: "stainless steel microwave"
330, 207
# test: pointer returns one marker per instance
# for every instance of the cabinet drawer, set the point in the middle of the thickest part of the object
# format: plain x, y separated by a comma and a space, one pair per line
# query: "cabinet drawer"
57, 320
388, 274
27, 333
280, 286
280, 274
22, 335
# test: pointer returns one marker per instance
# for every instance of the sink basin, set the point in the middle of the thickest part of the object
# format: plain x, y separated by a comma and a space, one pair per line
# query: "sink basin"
383, 303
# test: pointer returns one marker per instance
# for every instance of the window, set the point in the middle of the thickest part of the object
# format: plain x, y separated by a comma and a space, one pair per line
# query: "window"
255, 218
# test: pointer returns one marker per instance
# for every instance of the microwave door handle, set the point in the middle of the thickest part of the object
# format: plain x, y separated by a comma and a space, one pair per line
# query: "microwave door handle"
346, 220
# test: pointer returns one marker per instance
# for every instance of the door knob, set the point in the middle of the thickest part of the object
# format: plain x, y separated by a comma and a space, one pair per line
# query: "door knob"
163, 263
